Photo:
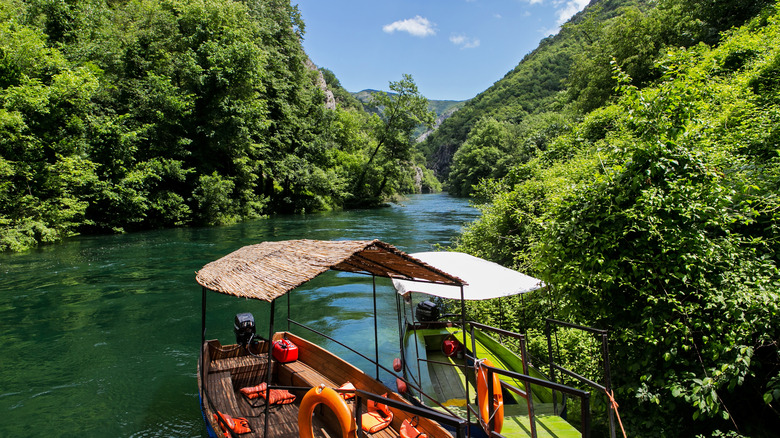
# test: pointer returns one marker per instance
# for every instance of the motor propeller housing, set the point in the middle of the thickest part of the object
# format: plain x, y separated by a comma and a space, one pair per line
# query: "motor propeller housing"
244, 328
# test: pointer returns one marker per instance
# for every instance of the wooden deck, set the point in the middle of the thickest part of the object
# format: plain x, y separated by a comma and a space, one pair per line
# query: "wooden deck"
283, 419
228, 374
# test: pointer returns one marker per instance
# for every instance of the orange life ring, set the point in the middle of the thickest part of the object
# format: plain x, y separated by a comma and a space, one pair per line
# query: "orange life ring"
498, 398
331, 399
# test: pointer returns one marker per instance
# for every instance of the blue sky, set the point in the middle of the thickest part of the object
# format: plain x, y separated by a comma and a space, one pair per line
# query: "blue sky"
454, 49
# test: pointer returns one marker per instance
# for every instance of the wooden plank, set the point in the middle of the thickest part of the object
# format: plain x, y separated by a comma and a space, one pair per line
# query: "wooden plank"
301, 374
283, 419
441, 383
244, 370
387, 432
223, 398
449, 382
237, 362
221, 392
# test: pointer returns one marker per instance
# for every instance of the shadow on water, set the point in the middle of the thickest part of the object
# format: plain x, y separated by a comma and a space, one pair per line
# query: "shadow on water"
100, 334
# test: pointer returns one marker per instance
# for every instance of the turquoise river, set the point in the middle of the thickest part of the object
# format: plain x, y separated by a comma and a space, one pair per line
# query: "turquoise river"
100, 334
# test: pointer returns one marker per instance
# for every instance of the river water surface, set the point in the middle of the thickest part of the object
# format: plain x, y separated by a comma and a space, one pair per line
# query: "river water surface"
100, 335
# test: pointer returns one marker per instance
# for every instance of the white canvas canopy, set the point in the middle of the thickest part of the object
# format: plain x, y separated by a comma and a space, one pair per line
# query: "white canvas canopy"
485, 279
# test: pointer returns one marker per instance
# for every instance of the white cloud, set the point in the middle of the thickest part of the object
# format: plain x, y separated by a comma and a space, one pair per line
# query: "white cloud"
464, 42
565, 9
569, 9
417, 26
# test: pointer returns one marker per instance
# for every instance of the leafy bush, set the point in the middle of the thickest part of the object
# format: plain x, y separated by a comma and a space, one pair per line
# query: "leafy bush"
656, 218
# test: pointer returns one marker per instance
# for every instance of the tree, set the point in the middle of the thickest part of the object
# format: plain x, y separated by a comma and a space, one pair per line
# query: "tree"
403, 111
44, 121
477, 159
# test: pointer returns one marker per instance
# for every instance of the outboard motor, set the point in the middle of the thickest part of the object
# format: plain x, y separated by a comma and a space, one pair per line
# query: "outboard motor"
427, 311
244, 328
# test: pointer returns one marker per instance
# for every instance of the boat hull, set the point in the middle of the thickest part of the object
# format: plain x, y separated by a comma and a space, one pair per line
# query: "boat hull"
443, 378
315, 366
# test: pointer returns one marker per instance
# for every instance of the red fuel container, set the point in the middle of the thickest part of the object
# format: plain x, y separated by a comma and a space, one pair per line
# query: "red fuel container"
285, 351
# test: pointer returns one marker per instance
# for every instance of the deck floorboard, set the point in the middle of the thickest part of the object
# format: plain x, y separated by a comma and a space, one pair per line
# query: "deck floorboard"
447, 381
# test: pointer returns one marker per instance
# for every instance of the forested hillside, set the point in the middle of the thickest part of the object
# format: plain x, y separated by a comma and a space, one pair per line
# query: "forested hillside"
536, 86
568, 75
124, 115
646, 195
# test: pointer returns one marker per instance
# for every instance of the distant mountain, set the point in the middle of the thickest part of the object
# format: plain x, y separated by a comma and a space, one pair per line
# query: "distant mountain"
440, 107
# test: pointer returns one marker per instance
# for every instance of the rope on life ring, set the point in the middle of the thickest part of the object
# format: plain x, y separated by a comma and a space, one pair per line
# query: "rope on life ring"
482, 397
331, 399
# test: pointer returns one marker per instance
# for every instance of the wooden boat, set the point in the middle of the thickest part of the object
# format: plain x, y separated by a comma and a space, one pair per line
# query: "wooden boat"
268, 271
448, 363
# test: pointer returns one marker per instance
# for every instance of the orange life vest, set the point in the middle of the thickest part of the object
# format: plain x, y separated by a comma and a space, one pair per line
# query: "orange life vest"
238, 425
377, 418
277, 397
409, 429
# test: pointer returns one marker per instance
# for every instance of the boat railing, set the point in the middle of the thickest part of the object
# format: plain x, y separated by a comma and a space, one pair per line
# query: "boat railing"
606, 388
379, 366
455, 422
530, 380
527, 394
459, 424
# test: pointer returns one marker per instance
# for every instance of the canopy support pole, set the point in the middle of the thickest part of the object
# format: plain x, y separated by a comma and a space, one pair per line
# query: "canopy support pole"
270, 367
525, 318
416, 344
376, 329
203, 318
500, 313
401, 332
465, 356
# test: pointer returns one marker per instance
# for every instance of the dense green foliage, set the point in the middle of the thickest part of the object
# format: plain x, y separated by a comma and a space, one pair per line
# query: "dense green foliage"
121, 115
571, 73
655, 215
533, 86
538, 84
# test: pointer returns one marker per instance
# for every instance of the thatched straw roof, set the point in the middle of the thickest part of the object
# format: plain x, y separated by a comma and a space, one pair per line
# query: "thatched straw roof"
270, 269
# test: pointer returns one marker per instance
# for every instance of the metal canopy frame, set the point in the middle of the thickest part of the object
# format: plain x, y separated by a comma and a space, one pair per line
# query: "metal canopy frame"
249, 273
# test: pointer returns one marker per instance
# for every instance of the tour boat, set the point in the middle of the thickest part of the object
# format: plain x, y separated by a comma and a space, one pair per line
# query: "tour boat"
468, 373
285, 386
